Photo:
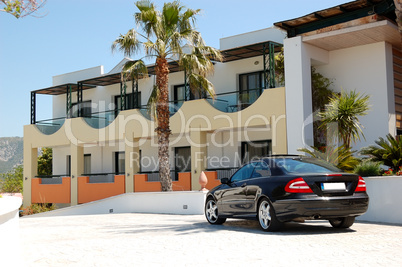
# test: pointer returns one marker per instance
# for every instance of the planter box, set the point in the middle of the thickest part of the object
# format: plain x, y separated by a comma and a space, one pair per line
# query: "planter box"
385, 199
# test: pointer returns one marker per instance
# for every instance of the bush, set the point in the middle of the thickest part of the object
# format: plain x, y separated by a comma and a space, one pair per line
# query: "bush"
38, 208
12, 181
368, 168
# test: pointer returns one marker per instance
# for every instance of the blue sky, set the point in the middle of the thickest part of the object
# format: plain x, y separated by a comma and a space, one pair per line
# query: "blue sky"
78, 34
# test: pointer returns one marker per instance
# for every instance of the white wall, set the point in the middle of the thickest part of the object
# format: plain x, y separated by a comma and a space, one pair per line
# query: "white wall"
269, 34
73, 77
385, 200
367, 69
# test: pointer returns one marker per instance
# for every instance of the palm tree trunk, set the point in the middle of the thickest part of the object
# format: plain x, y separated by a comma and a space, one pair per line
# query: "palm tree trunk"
163, 129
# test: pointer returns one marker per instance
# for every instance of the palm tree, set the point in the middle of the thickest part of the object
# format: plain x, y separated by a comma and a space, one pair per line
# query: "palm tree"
167, 34
342, 156
388, 152
342, 112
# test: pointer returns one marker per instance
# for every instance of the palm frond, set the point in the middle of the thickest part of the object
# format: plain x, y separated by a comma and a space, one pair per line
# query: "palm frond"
129, 43
342, 156
134, 70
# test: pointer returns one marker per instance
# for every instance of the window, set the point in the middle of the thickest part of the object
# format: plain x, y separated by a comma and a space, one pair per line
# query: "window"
250, 87
255, 150
119, 162
261, 169
85, 109
243, 173
182, 160
87, 164
132, 101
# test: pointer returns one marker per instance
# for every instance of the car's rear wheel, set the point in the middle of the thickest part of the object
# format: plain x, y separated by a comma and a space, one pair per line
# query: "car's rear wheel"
267, 217
344, 222
211, 212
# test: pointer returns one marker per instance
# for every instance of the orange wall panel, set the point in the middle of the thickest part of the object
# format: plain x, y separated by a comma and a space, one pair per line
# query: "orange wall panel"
184, 182
212, 179
141, 183
51, 193
88, 192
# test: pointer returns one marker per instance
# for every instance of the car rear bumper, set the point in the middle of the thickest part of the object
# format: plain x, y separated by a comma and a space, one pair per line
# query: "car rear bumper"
321, 207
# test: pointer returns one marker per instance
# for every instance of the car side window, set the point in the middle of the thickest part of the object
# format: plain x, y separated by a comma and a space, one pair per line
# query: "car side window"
261, 170
243, 173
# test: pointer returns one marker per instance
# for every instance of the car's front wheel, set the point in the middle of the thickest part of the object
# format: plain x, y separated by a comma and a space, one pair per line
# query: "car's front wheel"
211, 212
267, 217
344, 222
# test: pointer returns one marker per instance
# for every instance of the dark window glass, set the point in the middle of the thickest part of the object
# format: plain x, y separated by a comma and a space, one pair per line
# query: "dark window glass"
243, 173
119, 162
261, 169
255, 150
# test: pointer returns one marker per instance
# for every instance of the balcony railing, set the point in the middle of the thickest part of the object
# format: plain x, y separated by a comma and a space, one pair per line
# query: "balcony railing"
226, 102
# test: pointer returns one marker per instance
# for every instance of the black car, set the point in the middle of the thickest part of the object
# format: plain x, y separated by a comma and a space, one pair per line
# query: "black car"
279, 189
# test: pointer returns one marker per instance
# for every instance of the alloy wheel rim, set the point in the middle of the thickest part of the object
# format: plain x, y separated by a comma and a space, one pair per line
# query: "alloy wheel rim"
212, 211
264, 215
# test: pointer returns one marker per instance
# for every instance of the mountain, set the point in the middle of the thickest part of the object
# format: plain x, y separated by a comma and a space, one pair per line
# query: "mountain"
11, 153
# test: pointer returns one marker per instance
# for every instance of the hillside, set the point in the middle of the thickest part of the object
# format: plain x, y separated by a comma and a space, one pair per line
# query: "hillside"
11, 153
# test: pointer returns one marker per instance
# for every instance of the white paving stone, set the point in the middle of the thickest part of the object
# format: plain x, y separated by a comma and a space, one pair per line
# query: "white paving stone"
186, 240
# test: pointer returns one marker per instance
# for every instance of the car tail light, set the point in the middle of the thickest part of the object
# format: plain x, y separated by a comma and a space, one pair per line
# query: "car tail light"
298, 186
361, 185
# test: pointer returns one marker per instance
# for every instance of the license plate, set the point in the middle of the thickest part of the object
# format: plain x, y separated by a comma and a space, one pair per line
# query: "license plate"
333, 186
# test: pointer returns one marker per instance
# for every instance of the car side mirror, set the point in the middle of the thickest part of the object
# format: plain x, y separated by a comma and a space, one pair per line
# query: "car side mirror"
225, 181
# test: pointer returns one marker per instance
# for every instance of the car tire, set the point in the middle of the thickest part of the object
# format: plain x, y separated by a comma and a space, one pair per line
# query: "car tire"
344, 222
211, 212
267, 217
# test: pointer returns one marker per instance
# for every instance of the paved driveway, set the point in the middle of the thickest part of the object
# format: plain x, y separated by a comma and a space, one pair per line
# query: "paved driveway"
174, 240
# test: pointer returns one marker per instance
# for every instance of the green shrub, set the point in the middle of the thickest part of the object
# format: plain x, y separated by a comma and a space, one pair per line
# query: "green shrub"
12, 181
368, 168
38, 208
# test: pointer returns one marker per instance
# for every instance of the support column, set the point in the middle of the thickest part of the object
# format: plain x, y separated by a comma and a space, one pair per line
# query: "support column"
299, 113
132, 163
198, 156
77, 168
30, 171
33, 108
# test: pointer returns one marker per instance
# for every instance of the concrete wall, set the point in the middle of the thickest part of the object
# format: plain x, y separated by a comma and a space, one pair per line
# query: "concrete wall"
9, 230
385, 200
183, 203
367, 69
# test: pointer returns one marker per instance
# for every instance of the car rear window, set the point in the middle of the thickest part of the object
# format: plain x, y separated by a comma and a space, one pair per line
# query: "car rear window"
305, 165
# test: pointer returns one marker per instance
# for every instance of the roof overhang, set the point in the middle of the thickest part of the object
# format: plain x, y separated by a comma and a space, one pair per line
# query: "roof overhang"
61, 89
338, 14
379, 31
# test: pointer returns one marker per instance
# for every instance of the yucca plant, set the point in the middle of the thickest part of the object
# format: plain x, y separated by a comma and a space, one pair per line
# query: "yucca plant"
341, 116
342, 156
388, 151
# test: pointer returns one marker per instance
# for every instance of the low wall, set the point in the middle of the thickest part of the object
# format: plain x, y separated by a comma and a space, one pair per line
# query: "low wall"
9, 229
385, 200
141, 183
51, 193
88, 192
182, 203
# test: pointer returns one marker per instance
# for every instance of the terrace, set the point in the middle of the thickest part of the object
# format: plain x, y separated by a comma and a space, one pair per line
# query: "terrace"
228, 101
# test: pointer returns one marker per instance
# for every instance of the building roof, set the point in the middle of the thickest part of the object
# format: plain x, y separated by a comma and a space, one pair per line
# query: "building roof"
337, 14
61, 89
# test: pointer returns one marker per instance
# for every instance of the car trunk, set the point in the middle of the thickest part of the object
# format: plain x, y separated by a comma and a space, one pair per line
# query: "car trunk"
328, 185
